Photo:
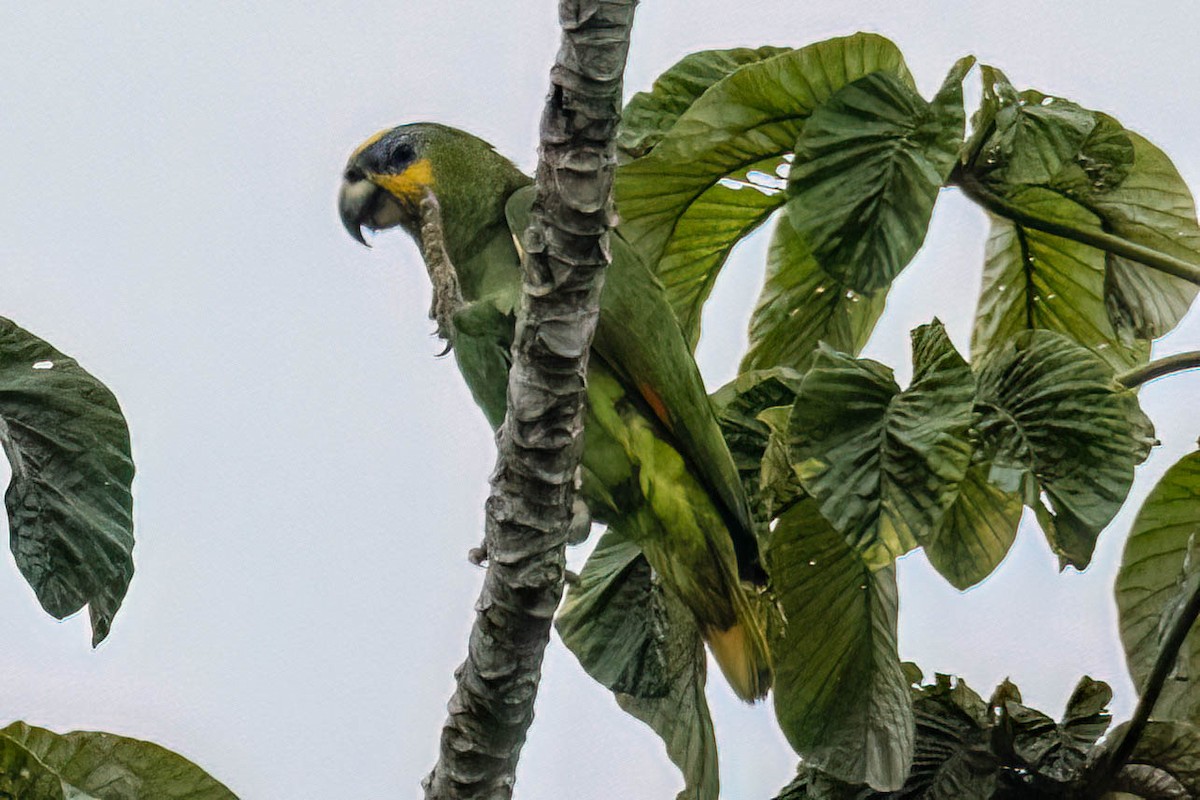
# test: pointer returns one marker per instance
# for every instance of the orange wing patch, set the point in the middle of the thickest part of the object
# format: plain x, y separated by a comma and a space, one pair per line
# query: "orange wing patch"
409, 184
656, 403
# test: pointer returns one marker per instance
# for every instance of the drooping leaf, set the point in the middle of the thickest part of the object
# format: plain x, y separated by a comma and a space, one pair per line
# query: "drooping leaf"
1162, 552
884, 464
681, 717
69, 503
715, 175
841, 696
108, 767
1152, 206
1054, 420
976, 532
801, 305
869, 165
642, 643
614, 620
649, 115
1099, 175
1036, 281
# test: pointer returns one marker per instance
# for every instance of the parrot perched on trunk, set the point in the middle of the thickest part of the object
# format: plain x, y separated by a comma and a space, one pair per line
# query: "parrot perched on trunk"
655, 465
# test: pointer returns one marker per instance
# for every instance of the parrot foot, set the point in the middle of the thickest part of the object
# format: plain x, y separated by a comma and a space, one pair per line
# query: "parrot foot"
581, 523
447, 297
478, 555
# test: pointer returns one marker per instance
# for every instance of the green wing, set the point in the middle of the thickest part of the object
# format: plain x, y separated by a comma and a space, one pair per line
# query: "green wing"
639, 339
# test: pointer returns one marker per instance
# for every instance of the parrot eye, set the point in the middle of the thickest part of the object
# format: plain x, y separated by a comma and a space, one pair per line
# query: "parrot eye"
353, 175
401, 155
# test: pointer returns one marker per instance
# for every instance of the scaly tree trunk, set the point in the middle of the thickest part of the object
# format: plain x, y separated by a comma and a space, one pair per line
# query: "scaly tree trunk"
534, 485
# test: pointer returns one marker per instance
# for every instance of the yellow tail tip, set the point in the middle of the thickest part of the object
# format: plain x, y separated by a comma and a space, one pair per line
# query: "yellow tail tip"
743, 659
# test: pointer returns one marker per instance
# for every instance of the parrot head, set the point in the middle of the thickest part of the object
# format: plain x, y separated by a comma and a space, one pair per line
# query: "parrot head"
389, 173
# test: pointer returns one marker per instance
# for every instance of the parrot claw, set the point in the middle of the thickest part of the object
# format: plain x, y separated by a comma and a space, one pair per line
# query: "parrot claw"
447, 296
446, 350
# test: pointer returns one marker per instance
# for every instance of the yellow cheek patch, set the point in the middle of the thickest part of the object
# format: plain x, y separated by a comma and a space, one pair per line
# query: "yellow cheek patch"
409, 184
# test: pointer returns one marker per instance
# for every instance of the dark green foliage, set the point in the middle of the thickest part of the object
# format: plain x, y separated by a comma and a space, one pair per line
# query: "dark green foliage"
714, 175
884, 464
802, 305
37, 764
643, 644
69, 503
841, 696
845, 471
1053, 420
969, 749
1057, 161
869, 165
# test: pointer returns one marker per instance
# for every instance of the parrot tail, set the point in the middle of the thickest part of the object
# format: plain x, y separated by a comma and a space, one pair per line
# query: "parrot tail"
741, 653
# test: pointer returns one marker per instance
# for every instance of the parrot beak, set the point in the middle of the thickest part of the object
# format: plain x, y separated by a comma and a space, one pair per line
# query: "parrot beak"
357, 203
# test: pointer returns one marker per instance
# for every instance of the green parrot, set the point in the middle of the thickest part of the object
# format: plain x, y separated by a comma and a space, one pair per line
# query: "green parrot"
655, 465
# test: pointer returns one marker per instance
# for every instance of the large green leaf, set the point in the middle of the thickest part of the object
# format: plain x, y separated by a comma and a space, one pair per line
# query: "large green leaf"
801, 305
1162, 552
108, 767
976, 532
869, 165
23, 776
69, 503
1054, 420
715, 175
841, 697
642, 643
884, 464
649, 115
1095, 175
1037, 281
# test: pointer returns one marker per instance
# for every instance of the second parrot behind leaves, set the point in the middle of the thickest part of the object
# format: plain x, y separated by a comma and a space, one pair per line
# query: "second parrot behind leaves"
655, 465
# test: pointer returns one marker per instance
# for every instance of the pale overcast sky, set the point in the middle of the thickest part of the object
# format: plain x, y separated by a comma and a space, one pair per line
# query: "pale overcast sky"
310, 477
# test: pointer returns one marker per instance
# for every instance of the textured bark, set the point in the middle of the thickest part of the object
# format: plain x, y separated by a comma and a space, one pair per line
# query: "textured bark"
534, 485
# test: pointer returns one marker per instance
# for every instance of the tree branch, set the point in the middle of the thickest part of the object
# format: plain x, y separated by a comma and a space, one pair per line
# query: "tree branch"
1109, 767
1157, 369
535, 481
1147, 256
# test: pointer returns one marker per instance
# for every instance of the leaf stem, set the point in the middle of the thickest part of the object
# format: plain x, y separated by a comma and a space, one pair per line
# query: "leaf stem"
1164, 663
975, 189
1179, 362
